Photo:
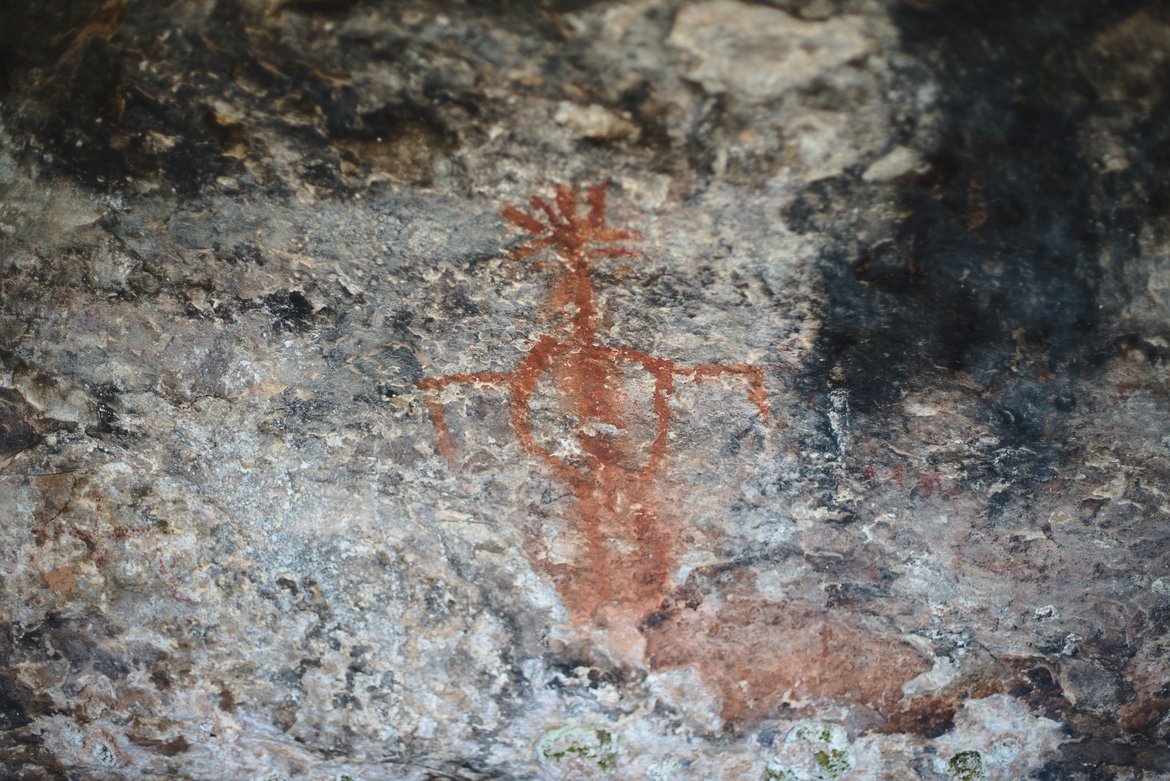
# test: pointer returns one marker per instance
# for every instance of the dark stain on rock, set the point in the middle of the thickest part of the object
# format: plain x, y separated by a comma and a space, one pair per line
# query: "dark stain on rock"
106, 406
168, 748
22, 425
101, 98
1001, 240
402, 141
317, 7
1155, 354
928, 717
85, 642
1102, 754
571, 671
31, 34
290, 311
402, 370
19, 703
172, 748
465, 771
104, 119
245, 253
160, 677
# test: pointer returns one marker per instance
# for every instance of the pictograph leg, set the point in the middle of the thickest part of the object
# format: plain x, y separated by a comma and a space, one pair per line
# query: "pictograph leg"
757, 391
433, 387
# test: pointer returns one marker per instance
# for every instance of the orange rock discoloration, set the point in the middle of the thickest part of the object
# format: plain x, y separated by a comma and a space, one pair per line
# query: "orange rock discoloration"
764, 657
761, 655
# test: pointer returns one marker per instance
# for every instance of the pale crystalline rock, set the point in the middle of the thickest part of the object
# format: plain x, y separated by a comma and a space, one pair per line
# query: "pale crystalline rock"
758, 53
920, 407
996, 737
823, 142
883, 758
936, 678
897, 162
811, 751
316, 464
594, 122
579, 751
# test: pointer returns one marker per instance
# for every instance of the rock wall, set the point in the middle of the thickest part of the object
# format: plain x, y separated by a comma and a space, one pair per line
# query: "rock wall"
580, 390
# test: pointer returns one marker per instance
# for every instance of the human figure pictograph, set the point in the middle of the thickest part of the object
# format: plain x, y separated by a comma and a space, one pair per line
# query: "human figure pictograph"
624, 569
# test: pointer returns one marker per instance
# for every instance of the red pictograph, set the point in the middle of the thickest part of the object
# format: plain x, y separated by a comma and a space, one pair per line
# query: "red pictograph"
613, 474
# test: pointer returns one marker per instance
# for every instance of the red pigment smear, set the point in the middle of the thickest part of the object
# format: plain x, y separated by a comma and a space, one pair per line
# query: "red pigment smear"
623, 571
765, 656
759, 655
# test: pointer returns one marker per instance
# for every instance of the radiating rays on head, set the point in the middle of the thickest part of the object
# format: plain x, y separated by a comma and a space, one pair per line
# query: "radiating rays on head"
574, 236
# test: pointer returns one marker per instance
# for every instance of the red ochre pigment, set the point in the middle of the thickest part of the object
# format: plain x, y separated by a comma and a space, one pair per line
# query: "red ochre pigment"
757, 654
624, 570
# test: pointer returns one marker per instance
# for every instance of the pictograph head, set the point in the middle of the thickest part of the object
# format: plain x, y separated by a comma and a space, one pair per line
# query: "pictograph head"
574, 236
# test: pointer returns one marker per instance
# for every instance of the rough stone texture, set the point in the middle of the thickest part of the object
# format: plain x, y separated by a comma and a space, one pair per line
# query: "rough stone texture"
821, 436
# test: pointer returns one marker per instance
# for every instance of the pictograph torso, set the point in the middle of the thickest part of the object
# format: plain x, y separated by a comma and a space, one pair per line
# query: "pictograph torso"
611, 465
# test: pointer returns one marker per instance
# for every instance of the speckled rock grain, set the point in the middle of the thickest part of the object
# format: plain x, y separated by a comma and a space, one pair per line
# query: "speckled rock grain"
847, 461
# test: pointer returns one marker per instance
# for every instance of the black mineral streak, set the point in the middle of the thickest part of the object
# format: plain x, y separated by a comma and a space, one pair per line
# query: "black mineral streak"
1000, 244
1003, 264
21, 424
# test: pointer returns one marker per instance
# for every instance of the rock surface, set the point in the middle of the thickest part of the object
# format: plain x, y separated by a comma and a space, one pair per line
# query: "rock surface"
634, 390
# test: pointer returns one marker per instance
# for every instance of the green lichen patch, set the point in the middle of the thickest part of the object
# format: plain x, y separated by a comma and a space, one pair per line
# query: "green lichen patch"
811, 751
588, 746
667, 769
833, 763
966, 766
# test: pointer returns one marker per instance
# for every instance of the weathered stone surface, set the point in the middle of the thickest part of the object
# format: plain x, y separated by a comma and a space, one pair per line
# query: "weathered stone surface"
647, 390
